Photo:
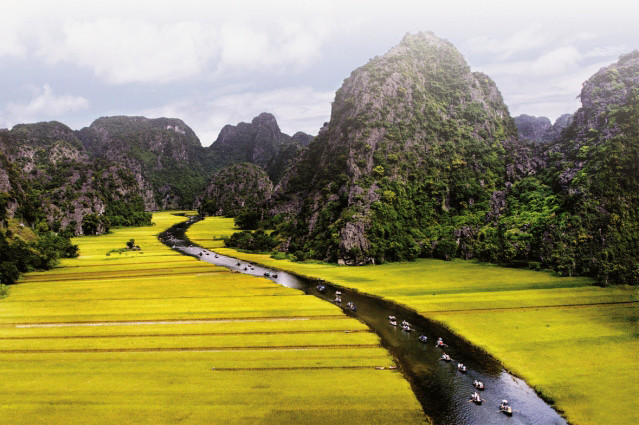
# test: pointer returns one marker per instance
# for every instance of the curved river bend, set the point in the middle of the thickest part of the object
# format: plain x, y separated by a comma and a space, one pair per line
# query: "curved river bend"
442, 390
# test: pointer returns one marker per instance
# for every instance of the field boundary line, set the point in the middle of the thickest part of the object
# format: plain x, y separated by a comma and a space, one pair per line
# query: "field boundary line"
170, 321
190, 349
277, 368
566, 306
173, 335
127, 276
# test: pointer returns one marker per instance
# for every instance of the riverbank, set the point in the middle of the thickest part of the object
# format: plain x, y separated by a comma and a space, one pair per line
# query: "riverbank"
157, 337
574, 342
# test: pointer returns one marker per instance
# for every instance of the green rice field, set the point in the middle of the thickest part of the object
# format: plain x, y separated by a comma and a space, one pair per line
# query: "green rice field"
156, 337
576, 343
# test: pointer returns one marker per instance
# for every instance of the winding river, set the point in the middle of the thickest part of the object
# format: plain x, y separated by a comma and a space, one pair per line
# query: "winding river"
443, 391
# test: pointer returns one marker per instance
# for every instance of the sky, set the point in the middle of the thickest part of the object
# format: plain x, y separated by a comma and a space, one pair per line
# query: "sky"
212, 63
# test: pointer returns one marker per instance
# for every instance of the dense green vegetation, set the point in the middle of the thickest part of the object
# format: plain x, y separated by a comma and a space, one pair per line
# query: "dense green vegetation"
569, 339
156, 337
251, 241
237, 189
23, 250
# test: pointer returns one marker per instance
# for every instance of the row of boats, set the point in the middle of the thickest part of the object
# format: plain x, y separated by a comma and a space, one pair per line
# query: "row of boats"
475, 397
338, 297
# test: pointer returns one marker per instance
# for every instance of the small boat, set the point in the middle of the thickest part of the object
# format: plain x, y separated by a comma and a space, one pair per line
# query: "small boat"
215, 255
238, 264
200, 254
245, 268
267, 274
440, 343
321, 288
445, 357
462, 368
207, 253
351, 306
275, 276
338, 299
478, 384
406, 327
338, 292
391, 317
422, 338
393, 322
505, 408
476, 398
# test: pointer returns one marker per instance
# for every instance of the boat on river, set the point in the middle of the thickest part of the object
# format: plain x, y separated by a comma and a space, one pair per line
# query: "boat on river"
445, 357
478, 384
476, 398
505, 408
462, 368
422, 338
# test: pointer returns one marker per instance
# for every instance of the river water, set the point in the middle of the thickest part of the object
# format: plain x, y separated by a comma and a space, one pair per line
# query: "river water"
443, 391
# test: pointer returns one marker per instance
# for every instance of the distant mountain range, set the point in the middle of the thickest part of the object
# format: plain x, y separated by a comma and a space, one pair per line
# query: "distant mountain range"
420, 158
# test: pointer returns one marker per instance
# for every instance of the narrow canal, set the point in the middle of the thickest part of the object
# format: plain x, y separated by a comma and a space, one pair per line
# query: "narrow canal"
443, 391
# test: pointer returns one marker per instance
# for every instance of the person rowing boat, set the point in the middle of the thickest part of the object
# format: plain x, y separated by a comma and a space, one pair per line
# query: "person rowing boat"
476, 398
445, 357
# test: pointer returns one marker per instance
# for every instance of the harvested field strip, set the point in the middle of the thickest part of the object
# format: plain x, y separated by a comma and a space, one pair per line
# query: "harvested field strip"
112, 275
237, 369
184, 334
170, 321
80, 300
179, 349
559, 307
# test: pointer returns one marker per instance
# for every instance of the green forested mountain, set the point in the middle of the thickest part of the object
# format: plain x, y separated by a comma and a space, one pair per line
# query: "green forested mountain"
259, 142
415, 148
593, 170
239, 187
164, 151
421, 158
54, 181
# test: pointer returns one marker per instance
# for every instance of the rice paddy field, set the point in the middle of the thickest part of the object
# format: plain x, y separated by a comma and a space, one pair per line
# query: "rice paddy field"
576, 343
156, 337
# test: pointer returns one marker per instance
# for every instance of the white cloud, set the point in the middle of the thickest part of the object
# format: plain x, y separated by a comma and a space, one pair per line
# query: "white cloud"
295, 108
121, 51
45, 104
556, 61
133, 51
504, 47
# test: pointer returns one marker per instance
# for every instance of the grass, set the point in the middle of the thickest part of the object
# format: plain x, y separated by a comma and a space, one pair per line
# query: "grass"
155, 337
574, 342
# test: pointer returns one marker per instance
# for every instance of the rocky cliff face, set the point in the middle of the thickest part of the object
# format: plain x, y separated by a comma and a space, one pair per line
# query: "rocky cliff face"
47, 174
255, 142
594, 167
413, 134
539, 129
259, 142
532, 128
163, 151
236, 188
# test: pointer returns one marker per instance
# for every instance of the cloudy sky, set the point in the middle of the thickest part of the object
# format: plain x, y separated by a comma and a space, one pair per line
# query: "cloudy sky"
213, 63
